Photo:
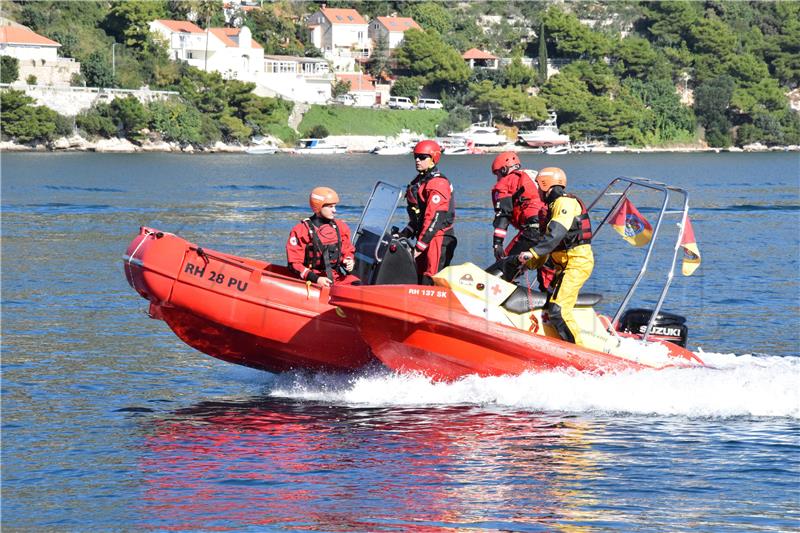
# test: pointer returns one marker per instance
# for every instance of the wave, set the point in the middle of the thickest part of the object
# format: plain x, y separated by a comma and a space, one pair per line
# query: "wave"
84, 189
736, 386
249, 188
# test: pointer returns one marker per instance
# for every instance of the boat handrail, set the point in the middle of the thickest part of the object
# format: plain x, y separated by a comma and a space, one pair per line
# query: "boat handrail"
666, 190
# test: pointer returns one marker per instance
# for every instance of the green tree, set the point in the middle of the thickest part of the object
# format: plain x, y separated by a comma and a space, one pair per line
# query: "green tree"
711, 102
573, 39
9, 69
175, 121
432, 16
130, 116
97, 121
509, 101
97, 71
233, 129
24, 122
714, 46
129, 20
542, 54
634, 57
406, 86
425, 55
782, 48
597, 77
340, 87
669, 21
379, 66
516, 74
276, 28
669, 120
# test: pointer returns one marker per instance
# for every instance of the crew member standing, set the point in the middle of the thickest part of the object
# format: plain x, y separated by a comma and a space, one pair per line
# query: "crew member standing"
319, 248
568, 242
431, 213
516, 201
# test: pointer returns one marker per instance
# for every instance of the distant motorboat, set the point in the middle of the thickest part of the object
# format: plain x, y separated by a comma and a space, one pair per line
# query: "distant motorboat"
545, 135
584, 147
481, 134
317, 146
261, 149
458, 146
384, 148
558, 150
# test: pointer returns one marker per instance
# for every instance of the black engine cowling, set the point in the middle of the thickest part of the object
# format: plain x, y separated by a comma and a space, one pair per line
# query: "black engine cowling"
666, 327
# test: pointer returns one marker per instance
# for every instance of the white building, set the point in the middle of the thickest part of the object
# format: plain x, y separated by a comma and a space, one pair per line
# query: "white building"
37, 56
341, 34
301, 79
392, 29
230, 51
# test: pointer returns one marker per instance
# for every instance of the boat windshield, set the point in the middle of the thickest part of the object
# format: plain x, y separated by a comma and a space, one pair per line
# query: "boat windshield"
369, 238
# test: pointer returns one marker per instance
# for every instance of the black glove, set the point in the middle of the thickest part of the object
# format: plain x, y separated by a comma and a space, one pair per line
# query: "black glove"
497, 247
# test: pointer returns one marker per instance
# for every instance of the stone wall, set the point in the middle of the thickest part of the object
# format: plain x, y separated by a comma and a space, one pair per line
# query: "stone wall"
70, 101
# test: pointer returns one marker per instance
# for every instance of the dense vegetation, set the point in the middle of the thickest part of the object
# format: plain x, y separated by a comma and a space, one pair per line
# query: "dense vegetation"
341, 120
619, 66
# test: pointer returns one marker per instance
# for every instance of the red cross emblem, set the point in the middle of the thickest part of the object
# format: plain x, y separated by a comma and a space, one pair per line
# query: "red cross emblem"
496, 289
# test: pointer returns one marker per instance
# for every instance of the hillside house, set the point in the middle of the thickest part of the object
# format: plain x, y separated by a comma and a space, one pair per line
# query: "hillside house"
392, 29
480, 59
300, 79
365, 89
341, 34
37, 56
230, 51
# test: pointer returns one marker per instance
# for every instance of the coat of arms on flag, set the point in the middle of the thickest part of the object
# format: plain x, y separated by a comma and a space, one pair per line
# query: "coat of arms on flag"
691, 253
629, 223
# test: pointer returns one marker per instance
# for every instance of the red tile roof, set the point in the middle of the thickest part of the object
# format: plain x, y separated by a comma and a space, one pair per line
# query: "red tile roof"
181, 26
23, 35
342, 16
358, 82
227, 36
474, 53
398, 23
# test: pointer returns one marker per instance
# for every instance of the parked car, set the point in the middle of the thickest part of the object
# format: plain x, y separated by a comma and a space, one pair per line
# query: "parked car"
345, 99
429, 103
400, 102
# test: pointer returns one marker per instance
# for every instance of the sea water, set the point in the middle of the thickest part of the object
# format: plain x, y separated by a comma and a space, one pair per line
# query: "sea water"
110, 422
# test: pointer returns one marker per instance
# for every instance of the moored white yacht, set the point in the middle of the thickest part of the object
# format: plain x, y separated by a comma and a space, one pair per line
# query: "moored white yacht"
481, 134
546, 134
317, 146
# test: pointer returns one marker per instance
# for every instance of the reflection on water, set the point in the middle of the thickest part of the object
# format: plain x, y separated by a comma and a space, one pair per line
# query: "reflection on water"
268, 461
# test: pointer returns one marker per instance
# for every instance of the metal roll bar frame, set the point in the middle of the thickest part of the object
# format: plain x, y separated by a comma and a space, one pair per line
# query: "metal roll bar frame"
667, 191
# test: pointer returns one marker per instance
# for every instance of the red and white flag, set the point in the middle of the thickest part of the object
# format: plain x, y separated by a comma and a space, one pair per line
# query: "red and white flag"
691, 253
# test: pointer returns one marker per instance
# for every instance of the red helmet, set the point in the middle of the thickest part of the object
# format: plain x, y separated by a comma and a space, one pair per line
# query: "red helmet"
430, 148
551, 177
321, 196
504, 162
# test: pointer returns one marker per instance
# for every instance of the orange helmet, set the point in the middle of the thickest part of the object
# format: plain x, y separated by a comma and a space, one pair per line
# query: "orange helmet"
430, 148
550, 177
504, 162
321, 196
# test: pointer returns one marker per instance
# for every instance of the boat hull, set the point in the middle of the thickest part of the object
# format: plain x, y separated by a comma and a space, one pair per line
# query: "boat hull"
427, 330
241, 310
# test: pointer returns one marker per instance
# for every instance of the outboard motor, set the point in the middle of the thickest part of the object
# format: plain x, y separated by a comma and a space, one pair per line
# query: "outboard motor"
666, 327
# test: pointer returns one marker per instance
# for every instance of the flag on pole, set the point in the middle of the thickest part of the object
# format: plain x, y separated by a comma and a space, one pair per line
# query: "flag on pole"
629, 223
691, 253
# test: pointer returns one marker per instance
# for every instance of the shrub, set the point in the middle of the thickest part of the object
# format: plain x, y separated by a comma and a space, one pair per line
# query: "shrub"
9, 69
318, 132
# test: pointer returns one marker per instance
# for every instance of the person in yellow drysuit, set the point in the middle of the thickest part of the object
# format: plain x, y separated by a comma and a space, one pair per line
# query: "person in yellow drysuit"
568, 242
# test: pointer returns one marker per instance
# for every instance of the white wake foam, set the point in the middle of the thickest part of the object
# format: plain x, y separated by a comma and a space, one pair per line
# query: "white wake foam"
737, 386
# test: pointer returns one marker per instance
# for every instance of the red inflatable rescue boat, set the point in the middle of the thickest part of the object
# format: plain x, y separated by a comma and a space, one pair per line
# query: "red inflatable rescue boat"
241, 310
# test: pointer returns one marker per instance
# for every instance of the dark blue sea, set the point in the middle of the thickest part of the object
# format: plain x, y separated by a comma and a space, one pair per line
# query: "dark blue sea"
111, 423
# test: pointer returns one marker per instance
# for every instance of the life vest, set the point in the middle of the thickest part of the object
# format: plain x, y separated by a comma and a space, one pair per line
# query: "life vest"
416, 200
528, 208
580, 232
323, 257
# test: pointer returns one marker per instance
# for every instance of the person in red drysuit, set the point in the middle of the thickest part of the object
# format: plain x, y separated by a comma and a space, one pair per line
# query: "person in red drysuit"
431, 213
319, 248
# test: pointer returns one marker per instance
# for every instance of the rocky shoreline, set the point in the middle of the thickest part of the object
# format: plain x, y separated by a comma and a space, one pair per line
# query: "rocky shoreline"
354, 144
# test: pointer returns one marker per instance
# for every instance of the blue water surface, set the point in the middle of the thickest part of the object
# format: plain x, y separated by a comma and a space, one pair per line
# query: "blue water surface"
110, 422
